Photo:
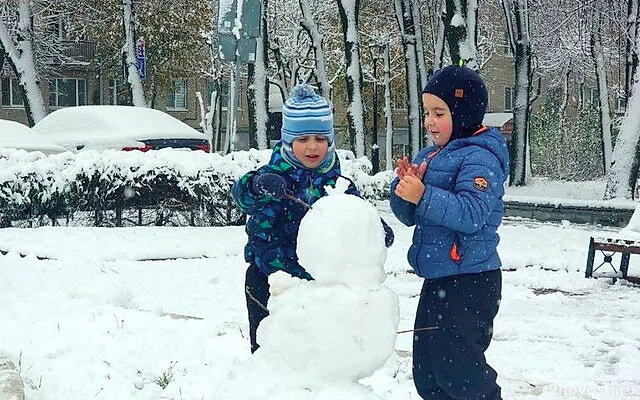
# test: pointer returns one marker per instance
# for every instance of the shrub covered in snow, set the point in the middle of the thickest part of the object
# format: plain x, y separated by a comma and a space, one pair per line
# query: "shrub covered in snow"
115, 188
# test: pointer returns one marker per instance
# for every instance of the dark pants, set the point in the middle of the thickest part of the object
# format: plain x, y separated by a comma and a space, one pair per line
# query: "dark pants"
449, 362
256, 290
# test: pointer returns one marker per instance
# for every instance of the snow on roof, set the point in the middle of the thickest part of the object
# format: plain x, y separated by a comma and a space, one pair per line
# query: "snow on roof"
14, 135
124, 125
497, 119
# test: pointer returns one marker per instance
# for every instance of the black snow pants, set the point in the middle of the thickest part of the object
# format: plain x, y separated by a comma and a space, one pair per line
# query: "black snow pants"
449, 362
256, 290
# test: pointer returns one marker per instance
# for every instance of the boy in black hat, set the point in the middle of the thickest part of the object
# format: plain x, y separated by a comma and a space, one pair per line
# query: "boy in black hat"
452, 193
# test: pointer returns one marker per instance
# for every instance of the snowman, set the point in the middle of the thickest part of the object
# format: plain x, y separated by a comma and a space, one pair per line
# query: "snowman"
322, 336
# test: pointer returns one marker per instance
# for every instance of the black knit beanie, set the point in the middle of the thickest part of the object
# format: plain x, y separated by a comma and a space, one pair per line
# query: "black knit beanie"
464, 92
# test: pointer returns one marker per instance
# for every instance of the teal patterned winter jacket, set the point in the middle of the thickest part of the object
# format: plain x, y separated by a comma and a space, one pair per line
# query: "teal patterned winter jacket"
273, 224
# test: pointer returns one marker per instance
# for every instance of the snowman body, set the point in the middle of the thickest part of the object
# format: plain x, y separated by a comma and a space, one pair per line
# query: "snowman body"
322, 336
341, 326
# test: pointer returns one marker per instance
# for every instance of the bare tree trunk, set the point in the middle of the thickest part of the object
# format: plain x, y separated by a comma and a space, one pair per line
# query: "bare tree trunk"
517, 19
603, 92
251, 105
438, 59
422, 68
349, 12
310, 26
217, 128
404, 15
461, 34
388, 112
22, 59
633, 9
623, 175
284, 82
131, 61
258, 92
207, 117
231, 137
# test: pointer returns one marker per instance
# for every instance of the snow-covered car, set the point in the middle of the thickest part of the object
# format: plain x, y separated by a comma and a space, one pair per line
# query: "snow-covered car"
119, 127
14, 135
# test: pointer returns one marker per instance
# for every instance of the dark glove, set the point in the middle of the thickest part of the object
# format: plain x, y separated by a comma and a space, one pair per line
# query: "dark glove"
388, 234
299, 272
269, 184
306, 275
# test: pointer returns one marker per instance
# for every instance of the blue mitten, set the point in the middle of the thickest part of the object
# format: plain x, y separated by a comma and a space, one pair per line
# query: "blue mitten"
270, 185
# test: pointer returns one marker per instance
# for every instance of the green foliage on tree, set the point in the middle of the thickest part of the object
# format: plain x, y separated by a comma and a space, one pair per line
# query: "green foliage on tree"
173, 32
566, 148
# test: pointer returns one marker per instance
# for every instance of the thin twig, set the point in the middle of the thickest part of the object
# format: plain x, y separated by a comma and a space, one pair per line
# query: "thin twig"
297, 200
430, 328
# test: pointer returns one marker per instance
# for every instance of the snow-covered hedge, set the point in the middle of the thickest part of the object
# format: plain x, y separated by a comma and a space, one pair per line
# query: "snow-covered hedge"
116, 188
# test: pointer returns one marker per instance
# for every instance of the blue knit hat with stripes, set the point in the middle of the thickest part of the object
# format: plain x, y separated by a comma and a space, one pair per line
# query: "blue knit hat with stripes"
306, 113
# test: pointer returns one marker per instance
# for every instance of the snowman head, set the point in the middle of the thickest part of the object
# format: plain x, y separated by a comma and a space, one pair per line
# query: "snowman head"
341, 241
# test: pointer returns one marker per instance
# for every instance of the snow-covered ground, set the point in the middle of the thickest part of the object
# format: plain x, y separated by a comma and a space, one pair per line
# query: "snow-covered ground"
104, 318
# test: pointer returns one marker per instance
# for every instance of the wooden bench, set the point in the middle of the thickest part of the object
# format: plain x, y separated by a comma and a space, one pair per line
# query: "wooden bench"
608, 247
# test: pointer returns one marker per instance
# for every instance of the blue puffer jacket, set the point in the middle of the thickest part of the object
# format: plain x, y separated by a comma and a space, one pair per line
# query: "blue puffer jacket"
273, 225
457, 219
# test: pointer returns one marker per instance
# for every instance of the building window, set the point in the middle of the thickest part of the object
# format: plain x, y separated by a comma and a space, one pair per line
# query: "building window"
67, 92
509, 98
118, 93
224, 95
177, 99
58, 28
11, 95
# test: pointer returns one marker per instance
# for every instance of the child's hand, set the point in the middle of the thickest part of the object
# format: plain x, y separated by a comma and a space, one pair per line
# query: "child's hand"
418, 170
402, 166
410, 189
269, 184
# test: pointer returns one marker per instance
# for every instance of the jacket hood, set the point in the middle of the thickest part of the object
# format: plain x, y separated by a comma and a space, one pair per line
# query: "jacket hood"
490, 139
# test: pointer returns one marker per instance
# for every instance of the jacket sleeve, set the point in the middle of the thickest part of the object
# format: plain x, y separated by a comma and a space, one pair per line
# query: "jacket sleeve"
271, 258
270, 248
466, 209
353, 188
402, 209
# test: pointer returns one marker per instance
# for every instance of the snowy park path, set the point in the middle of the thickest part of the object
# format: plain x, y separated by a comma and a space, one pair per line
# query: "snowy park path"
94, 322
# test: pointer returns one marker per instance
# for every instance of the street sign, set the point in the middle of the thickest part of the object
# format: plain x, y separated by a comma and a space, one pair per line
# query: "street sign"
141, 57
236, 42
251, 18
227, 46
227, 16
246, 52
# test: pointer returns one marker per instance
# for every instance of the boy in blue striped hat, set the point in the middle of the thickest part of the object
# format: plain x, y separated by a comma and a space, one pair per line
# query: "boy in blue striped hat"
277, 196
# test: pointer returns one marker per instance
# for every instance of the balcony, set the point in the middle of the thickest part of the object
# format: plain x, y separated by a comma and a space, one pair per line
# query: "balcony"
80, 51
